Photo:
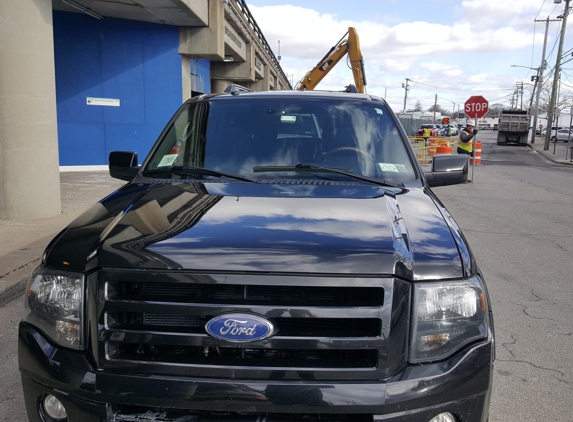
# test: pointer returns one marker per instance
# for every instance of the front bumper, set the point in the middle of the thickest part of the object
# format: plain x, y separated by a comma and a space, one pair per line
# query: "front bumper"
460, 386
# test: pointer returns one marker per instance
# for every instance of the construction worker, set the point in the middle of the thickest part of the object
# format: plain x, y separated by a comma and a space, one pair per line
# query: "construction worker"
465, 144
426, 134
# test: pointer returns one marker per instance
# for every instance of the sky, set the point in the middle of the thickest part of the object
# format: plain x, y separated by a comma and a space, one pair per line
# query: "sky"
452, 49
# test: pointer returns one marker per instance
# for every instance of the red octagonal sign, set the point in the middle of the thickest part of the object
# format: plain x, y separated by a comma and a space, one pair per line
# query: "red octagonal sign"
476, 107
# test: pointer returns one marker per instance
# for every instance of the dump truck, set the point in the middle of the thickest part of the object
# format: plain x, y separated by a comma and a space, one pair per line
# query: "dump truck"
513, 127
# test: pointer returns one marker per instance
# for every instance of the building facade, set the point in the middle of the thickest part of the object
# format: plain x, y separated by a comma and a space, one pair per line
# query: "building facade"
82, 78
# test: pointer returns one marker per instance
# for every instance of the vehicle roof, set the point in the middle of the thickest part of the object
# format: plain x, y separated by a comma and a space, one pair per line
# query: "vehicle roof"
314, 94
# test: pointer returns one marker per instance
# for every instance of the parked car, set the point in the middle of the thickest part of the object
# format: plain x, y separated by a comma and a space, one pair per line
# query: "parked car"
554, 128
452, 130
277, 256
434, 131
562, 135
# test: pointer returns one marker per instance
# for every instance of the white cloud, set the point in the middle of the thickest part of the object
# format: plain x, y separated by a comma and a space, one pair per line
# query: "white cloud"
470, 49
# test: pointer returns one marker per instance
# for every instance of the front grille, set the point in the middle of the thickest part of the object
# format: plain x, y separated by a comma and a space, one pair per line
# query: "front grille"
131, 413
324, 328
284, 327
244, 356
248, 294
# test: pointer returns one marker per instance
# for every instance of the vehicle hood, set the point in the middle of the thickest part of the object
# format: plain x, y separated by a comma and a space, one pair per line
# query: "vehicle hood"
243, 227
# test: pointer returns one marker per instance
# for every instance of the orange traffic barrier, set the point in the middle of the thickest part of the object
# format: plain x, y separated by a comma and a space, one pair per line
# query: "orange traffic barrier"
477, 153
443, 150
442, 141
432, 147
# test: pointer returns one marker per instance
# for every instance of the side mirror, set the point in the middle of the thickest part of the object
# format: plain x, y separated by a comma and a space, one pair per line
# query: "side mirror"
448, 170
123, 165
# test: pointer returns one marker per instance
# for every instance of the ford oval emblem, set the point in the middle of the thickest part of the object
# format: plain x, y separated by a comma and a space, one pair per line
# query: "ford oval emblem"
239, 328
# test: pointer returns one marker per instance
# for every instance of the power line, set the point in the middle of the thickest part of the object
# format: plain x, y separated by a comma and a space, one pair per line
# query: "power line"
557, 37
543, 4
451, 89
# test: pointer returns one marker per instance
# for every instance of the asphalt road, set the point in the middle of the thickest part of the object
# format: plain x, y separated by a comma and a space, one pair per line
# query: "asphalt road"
517, 218
11, 399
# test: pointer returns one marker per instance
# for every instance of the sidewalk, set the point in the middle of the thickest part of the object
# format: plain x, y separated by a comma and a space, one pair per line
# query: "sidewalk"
557, 152
22, 242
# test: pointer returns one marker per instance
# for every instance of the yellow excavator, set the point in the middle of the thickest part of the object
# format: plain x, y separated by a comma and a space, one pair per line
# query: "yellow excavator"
347, 45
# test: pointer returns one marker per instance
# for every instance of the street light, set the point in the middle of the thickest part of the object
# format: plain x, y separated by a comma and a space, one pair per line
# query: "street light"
526, 67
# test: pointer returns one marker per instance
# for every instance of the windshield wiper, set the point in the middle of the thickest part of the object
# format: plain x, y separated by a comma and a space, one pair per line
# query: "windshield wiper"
184, 170
316, 168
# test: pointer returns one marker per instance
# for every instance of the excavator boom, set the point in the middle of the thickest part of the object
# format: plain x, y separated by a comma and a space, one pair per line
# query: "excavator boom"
350, 46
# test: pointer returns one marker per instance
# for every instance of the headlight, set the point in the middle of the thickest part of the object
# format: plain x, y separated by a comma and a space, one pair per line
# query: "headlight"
446, 317
55, 303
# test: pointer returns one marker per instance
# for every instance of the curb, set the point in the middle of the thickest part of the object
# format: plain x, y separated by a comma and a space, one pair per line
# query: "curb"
567, 163
13, 291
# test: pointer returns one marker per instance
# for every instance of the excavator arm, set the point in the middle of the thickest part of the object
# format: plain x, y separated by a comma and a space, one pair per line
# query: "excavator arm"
350, 46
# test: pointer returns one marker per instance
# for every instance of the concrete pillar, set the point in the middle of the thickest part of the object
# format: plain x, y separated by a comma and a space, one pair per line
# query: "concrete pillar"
29, 164
185, 77
220, 85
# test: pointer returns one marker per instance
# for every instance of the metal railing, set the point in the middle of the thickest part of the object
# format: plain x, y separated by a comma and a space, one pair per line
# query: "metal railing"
259, 34
426, 149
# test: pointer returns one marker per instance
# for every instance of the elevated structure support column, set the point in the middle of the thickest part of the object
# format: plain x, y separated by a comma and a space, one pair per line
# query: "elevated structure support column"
29, 163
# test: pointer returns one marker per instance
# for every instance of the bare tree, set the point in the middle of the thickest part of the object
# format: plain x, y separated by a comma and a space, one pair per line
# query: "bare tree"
563, 101
495, 109
438, 108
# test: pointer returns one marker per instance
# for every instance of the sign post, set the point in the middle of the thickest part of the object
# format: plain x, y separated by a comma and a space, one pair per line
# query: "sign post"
557, 113
475, 107
568, 136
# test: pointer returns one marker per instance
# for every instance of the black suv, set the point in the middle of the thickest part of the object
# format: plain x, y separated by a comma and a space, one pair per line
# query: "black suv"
278, 256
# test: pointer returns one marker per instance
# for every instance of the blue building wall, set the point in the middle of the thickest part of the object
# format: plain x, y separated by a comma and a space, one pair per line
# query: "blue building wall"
135, 62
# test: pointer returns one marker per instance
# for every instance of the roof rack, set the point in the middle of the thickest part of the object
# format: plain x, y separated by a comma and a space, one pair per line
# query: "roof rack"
236, 89
351, 88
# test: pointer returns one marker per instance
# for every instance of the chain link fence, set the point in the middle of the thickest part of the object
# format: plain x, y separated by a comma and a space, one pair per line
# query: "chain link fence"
411, 125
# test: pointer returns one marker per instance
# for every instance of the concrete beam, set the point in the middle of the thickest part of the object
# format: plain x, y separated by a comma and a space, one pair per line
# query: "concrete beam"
29, 163
168, 12
238, 72
209, 42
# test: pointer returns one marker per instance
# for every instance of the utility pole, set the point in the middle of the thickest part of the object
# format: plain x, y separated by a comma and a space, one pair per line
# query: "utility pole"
406, 88
556, 77
540, 80
435, 106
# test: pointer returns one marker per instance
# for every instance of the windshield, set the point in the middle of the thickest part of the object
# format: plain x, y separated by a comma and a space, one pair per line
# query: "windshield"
238, 136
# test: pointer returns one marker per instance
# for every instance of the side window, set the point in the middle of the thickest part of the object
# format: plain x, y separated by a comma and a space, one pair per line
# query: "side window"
184, 142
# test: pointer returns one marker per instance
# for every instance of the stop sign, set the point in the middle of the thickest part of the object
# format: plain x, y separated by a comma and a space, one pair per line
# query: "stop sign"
476, 107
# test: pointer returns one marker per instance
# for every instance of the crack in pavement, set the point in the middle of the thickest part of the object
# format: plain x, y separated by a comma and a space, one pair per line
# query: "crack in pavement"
524, 310
540, 367
555, 243
506, 344
19, 268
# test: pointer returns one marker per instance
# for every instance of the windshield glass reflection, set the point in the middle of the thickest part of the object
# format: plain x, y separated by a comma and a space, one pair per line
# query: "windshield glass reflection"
234, 136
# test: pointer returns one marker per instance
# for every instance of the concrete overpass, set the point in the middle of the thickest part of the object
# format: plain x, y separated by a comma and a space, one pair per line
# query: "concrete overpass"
98, 80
